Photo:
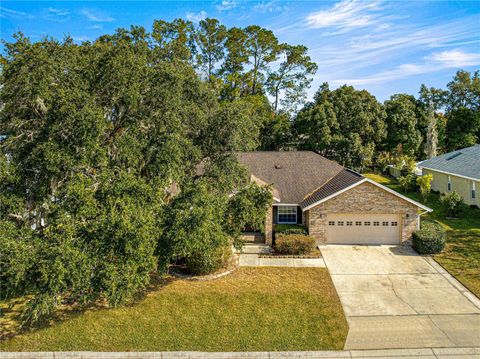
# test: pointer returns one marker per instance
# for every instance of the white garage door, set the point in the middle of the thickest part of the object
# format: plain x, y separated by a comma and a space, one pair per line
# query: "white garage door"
361, 228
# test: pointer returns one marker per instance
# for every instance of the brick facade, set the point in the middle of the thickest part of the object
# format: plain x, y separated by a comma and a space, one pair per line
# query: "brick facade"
364, 198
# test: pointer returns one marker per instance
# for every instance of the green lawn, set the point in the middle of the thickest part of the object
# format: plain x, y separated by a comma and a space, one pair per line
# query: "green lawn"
461, 256
253, 309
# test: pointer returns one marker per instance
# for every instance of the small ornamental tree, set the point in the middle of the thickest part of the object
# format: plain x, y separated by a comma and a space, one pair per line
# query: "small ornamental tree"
407, 182
424, 184
451, 203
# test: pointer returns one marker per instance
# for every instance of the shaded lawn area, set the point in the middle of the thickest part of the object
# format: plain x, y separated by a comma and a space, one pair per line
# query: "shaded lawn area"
461, 256
253, 309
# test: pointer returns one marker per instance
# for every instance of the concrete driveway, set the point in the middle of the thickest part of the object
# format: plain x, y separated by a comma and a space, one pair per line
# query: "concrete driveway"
394, 298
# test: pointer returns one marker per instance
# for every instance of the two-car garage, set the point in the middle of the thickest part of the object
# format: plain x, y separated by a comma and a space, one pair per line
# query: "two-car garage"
363, 228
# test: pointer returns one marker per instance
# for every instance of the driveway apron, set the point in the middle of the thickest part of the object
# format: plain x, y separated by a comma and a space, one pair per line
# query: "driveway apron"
394, 298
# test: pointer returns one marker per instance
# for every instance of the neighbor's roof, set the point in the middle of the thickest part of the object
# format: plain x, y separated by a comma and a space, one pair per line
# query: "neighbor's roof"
298, 177
464, 162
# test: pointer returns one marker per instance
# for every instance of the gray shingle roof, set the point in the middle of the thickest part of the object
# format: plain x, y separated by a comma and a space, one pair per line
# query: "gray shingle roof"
464, 162
297, 175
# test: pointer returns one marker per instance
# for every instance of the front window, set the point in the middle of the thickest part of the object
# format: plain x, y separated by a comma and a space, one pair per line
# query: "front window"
473, 190
449, 184
287, 214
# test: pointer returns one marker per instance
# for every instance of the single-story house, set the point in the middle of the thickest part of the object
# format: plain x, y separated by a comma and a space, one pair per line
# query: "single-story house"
335, 204
456, 171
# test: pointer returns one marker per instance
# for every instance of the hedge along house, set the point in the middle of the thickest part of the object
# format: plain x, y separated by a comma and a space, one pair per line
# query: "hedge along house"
456, 171
335, 204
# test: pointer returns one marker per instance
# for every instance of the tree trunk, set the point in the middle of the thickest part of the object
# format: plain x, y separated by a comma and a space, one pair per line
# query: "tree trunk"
432, 135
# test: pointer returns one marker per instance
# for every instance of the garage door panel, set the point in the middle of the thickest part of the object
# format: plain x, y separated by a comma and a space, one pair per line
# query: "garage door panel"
361, 228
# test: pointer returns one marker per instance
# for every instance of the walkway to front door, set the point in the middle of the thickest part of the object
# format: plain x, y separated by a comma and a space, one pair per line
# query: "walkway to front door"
394, 298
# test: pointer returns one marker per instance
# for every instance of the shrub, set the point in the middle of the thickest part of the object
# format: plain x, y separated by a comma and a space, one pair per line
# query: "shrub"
208, 261
430, 239
290, 229
451, 203
294, 244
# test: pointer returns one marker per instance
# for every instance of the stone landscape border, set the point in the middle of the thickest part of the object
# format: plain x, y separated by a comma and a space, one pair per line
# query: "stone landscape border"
428, 353
282, 256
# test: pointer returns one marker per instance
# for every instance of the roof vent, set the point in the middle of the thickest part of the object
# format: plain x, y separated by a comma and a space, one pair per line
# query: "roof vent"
454, 155
278, 167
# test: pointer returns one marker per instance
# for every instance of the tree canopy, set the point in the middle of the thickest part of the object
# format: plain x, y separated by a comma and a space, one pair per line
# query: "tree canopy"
345, 125
97, 139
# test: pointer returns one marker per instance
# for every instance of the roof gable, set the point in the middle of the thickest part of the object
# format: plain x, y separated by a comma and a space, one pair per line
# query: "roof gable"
342, 180
464, 162
367, 180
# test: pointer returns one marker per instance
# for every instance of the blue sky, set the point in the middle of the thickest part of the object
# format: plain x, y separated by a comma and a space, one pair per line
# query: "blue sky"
385, 47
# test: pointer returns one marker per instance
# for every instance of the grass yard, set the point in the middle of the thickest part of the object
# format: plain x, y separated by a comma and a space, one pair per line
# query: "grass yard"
461, 256
253, 309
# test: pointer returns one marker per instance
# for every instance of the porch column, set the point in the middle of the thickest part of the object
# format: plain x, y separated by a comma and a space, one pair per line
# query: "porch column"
269, 226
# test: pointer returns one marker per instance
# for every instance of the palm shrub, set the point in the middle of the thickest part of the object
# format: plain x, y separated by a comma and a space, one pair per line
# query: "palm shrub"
430, 239
294, 244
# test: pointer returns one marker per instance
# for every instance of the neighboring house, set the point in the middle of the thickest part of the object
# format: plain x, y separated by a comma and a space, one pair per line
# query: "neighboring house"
456, 171
395, 172
336, 205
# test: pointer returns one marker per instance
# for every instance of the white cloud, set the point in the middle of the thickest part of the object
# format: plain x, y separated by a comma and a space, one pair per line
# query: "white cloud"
58, 12
96, 16
196, 17
346, 15
341, 58
270, 6
57, 15
96, 27
456, 58
227, 5
80, 38
434, 62
8, 13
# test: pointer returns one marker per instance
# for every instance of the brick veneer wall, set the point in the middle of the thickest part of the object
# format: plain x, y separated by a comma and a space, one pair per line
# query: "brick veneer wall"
269, 226
365, 198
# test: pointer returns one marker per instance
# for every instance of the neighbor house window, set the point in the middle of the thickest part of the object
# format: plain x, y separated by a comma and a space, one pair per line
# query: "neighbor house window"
287, 214
449, 184
473, 190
